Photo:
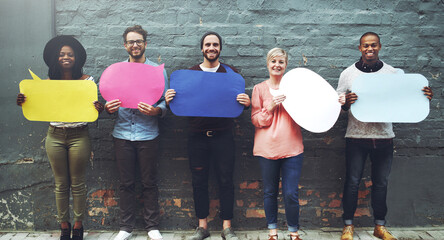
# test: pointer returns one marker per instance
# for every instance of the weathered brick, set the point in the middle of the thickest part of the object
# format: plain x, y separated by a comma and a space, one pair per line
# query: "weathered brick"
320, 35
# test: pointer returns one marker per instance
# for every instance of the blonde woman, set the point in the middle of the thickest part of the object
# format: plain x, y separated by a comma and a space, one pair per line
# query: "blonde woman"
277, 146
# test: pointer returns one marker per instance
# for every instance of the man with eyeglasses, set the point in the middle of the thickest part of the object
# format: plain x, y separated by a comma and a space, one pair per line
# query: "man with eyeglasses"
136, 147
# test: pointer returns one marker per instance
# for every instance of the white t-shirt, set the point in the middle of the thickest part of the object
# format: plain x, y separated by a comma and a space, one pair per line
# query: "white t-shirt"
209, 69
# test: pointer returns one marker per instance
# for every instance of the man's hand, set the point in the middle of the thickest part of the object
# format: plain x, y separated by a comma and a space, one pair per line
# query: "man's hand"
99, 106
350, 98
148, 110
275, 102
112, 106
21, 98
428, 92
243, 99
169, 96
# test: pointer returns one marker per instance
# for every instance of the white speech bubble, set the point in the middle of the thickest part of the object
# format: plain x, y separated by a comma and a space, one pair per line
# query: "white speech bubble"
390, 98
310, 100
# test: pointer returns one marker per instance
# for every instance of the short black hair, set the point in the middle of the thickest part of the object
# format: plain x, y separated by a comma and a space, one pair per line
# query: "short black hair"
136, 28
368, 34
210, 33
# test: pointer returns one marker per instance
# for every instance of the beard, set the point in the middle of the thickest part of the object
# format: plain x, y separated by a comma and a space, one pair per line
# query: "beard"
138, 56
211, 59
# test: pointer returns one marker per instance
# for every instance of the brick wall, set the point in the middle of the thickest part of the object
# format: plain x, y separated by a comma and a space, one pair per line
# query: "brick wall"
320, 35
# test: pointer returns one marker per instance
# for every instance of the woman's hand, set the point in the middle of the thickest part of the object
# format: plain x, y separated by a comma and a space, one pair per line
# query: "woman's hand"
341, 99
243, 99
275, 102
169, 96
99, 106
112, 106
21, 98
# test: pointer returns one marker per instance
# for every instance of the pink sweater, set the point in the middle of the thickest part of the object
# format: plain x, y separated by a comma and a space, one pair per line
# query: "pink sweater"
277, 135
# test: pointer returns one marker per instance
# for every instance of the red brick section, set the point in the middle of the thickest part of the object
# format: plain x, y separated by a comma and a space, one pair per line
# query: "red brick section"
106, 196
252, 185
100, 202
328, 206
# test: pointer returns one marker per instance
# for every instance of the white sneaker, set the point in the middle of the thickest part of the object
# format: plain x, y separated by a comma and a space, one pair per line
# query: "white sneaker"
123, 235
155, 235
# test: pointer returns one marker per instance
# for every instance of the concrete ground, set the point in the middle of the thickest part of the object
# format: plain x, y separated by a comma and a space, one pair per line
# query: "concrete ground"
319, 234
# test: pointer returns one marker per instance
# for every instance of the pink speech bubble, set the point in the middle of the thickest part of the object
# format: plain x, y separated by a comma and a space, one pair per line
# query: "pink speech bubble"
132, 83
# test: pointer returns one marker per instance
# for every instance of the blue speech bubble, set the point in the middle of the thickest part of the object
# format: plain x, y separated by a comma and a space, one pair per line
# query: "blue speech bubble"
206, 94
390, 98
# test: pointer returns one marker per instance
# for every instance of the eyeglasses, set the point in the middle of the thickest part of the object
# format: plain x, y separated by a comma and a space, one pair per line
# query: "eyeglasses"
139, 42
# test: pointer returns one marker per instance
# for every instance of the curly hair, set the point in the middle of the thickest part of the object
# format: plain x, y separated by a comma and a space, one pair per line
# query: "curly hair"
136, 28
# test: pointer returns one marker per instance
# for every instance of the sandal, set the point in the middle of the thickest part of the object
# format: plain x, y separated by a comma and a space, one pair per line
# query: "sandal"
272, 237
295, 237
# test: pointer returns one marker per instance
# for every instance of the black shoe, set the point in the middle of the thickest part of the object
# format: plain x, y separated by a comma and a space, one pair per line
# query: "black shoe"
77, 234
228, 234
66, 233
200, 234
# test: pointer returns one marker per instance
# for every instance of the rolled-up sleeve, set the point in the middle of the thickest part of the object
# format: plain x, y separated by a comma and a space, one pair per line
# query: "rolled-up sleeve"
161, 103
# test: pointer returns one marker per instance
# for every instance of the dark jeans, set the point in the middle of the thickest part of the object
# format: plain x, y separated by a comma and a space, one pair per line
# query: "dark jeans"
381, 156
204, 151
140, 156
290, 168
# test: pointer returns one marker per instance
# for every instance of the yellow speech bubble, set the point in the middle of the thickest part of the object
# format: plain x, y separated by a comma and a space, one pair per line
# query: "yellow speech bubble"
59, 100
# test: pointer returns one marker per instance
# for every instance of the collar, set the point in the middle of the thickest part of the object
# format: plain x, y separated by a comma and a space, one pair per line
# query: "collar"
367, 68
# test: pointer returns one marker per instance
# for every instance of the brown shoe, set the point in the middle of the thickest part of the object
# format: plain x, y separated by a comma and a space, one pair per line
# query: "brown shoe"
347, 232
382, 233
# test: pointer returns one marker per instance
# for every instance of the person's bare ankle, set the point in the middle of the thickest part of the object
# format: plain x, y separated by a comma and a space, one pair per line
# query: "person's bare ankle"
78, 225
64, 225
203, 223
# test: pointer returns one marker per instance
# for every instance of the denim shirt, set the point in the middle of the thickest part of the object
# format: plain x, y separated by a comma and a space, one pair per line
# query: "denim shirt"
132, 125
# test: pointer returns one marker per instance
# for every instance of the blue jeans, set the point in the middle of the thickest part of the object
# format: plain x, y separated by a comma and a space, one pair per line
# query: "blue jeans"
290, 168
381, 156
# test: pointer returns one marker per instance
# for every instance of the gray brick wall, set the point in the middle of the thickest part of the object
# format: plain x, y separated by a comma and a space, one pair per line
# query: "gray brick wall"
320, 35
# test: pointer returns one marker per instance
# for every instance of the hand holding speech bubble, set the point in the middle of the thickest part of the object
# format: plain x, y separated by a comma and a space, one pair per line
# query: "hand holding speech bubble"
310, 100
390, 98
132, 83
59, 100
206, 94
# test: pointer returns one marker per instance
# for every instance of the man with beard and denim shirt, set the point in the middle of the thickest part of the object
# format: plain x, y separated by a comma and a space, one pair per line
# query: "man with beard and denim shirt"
210, 141
136, 146
367, 139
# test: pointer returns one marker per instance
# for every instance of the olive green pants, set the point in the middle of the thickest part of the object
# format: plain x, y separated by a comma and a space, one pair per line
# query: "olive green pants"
69, 150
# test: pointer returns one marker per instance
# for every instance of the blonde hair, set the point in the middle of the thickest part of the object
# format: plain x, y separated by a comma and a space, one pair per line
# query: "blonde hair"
277, 52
